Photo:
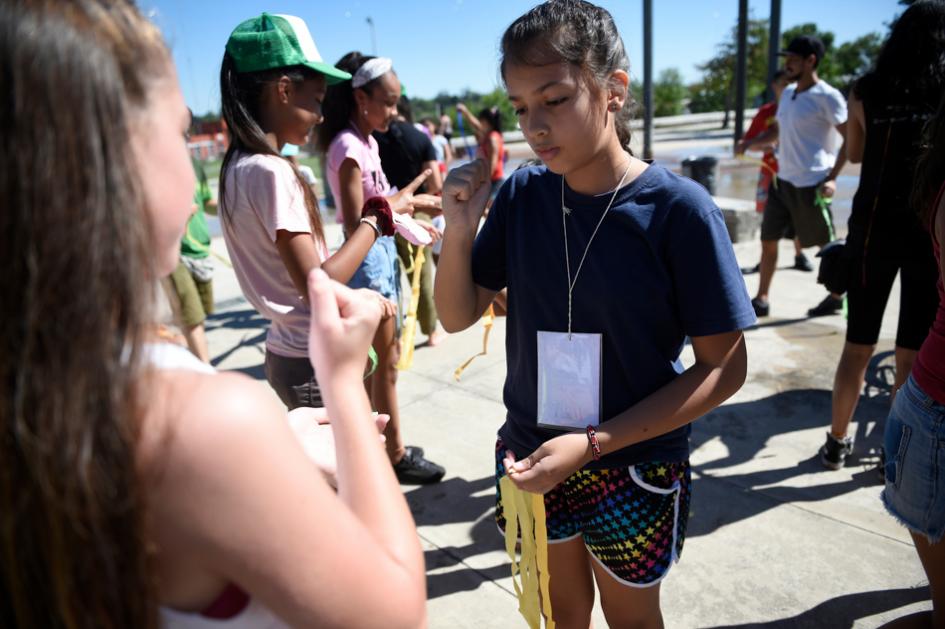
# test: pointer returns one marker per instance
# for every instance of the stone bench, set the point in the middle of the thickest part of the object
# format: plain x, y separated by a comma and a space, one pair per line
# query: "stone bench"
741, 219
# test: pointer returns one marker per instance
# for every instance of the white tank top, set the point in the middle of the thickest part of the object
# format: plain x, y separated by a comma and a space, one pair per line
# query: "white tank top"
254, 615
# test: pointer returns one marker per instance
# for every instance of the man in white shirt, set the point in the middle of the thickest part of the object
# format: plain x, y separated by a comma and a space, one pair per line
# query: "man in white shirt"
810, 156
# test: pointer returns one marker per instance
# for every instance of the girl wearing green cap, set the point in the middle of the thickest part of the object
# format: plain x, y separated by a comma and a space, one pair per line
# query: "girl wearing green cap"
272, 84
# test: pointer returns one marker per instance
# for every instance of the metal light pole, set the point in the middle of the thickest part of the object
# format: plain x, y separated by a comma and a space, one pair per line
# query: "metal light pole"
647, 79
774, 42
741, 78
373, 36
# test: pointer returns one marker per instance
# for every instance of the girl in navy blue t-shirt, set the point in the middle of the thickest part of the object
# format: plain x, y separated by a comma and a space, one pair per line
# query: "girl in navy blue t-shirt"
610, 264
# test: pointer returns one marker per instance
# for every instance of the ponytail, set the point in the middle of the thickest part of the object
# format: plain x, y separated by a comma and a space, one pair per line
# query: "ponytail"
575, 32
339, 105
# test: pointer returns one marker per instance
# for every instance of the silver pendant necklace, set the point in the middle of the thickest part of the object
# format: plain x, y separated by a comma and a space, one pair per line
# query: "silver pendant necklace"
565, 211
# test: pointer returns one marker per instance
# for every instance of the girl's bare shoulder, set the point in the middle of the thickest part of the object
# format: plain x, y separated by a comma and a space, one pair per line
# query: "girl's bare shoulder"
194, 423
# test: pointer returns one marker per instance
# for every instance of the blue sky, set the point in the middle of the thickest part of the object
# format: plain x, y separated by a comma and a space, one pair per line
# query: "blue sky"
451, 45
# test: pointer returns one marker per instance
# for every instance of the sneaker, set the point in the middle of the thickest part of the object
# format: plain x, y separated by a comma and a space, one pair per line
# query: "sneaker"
835, 451
761, 306
801, 263
413, 469
751, 270
830, 305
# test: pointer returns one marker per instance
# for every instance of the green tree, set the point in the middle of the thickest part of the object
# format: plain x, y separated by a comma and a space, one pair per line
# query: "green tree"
498, 98
855, 58
841, 64
669, 93
716, 90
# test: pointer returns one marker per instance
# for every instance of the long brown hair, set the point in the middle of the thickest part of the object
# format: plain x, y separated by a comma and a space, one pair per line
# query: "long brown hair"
240, 97
930, 169
74, 251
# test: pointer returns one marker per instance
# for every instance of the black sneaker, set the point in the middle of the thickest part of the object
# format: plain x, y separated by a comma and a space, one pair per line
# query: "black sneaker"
761, 306
835, 451
801, 263
413, 469
751, 270
830, 305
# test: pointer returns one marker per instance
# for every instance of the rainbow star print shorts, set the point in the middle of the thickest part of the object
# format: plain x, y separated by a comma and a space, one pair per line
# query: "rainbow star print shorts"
632, 519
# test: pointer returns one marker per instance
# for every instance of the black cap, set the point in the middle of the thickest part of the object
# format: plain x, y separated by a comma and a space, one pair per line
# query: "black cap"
805, 46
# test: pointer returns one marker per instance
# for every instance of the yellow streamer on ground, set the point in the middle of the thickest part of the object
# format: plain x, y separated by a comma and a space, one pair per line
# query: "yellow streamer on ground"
487, 320
525, 513
410, 324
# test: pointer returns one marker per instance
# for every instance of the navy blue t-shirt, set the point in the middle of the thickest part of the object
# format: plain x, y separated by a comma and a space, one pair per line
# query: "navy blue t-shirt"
660, 268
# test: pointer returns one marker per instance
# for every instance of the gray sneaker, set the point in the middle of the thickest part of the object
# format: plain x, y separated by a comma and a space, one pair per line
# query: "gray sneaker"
835, 451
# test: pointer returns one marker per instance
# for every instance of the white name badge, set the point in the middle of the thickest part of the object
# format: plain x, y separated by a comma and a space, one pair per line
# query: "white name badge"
568, 380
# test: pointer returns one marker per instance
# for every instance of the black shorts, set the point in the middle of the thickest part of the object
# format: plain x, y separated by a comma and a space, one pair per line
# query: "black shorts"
869, 290
293, 380
789, 205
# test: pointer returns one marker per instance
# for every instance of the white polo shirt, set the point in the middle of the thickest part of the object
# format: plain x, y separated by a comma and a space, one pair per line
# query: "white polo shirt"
808, 141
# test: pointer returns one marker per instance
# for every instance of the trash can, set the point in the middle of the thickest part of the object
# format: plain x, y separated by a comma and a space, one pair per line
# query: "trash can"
703, 170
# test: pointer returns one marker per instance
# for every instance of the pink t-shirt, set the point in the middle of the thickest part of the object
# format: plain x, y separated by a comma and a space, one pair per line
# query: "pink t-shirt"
350, 144
263, 196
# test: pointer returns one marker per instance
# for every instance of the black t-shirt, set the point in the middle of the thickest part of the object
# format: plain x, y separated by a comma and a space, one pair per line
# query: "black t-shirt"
404, 149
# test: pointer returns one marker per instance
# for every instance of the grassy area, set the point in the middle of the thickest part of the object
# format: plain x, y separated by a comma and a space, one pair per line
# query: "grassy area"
212, 166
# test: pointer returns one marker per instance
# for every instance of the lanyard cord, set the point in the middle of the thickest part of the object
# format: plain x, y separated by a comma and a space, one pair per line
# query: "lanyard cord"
567, 259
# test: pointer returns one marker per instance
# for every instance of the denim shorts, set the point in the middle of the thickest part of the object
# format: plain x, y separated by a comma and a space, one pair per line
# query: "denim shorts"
915, 462
380, 270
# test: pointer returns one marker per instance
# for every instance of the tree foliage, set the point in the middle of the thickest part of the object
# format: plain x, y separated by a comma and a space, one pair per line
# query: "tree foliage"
840, 67
716, 90
446, 103
669, 91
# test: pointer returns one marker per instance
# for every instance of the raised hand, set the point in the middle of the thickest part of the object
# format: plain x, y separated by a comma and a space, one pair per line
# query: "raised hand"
343, 323
465, 194
403, 201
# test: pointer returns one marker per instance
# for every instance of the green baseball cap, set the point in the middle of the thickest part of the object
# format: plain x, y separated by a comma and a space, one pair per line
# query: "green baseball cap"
277, 41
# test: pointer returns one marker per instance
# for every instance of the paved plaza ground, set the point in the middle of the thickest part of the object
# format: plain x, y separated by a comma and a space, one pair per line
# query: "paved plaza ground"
774, 540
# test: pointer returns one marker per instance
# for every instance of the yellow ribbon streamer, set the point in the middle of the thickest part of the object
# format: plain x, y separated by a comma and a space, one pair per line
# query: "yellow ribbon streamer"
525, 512
487, 320
410, 323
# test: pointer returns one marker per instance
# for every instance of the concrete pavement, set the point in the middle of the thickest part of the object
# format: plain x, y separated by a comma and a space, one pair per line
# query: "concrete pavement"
774, 540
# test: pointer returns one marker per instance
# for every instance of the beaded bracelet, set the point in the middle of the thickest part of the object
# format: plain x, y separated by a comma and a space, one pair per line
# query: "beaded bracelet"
595, 444
373, 224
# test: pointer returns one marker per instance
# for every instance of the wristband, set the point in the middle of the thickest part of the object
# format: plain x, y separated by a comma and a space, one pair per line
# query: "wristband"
379, 208
373, 224
595, 444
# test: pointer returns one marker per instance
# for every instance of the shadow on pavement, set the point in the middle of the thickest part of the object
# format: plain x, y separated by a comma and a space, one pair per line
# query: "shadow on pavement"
745, 430
455, 501
841, 612
236, 320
